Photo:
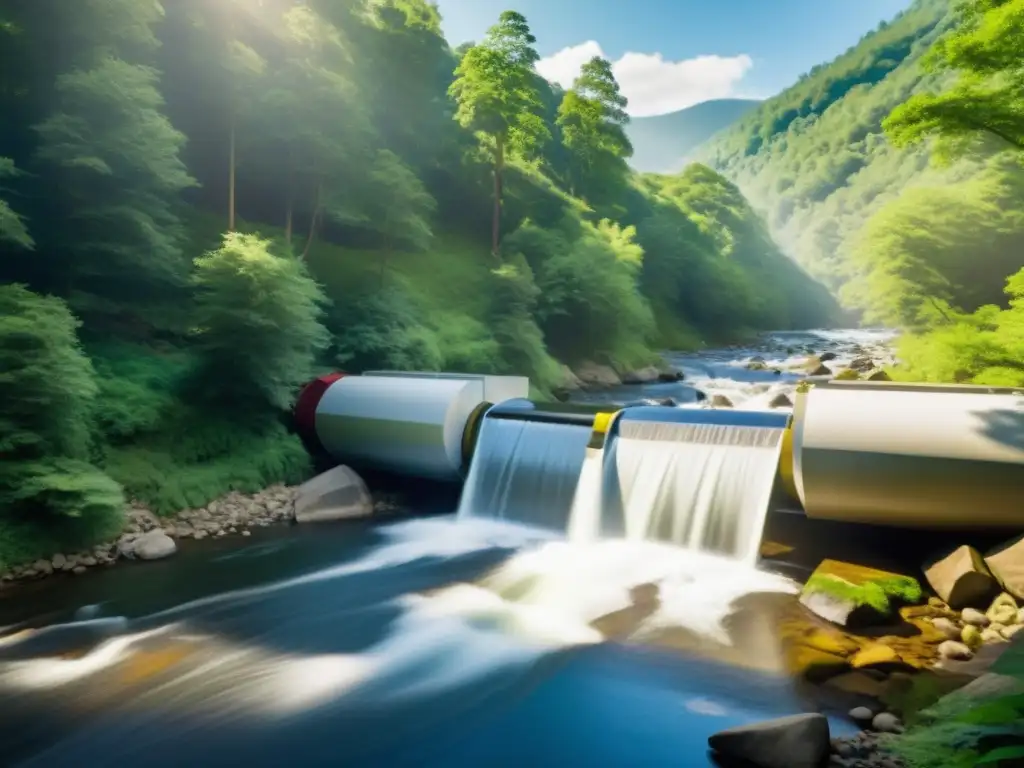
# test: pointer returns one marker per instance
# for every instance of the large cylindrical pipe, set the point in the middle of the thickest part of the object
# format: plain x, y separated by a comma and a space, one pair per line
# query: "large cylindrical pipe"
421, 425
910, 455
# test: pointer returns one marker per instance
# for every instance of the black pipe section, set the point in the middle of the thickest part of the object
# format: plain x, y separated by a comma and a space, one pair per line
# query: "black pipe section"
578, 414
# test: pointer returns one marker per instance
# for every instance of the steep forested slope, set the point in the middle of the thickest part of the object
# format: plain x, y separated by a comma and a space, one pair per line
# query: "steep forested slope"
662, 144
203, 204
814, 159
896, 174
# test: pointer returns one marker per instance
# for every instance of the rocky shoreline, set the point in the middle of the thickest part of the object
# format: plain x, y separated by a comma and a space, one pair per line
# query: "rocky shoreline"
147, 536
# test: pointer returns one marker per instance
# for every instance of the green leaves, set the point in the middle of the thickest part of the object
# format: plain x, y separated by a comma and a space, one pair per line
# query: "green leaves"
257, 321
12, 226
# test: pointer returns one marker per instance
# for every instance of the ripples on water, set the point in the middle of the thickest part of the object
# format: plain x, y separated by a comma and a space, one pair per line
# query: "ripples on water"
453, 643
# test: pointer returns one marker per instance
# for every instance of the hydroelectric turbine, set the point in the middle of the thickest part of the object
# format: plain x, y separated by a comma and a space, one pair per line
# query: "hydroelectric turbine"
882, 453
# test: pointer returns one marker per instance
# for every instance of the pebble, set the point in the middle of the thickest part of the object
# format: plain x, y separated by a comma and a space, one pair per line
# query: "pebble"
971, 636
951, 649
861, 714
947, 627
887, 722
974, 617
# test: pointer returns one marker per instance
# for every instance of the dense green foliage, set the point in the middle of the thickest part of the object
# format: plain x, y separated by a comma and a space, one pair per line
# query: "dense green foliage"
387, 202
916, 234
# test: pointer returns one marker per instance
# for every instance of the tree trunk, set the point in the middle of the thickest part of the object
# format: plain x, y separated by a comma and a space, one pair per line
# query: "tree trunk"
314, 220
231, 172
499, 167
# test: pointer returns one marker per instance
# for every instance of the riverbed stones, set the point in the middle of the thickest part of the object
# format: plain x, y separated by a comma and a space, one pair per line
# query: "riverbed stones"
798, 741
954, 650
974, 617
154, 545
647, 375
1003, 610
338, 494
947, 627
592, 374
961, 578
1006, 563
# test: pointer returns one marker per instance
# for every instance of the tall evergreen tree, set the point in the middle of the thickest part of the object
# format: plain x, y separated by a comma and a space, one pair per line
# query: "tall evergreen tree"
497, 97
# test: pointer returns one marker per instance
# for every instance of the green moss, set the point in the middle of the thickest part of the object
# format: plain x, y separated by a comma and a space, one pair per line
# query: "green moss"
878, 594
847, 375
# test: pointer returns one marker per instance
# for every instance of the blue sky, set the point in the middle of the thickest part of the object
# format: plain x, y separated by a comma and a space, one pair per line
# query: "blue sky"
669, 54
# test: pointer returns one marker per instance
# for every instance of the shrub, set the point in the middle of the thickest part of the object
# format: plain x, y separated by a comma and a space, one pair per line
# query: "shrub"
257, 323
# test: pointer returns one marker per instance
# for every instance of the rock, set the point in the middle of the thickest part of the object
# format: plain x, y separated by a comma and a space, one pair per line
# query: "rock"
781, 400
154, 545
646, 375
961, 578
826, 356
992, 635
799, 741
854, 596
847, 374
78, 570
246, 533
43, 567
862, 364
857, 683
59, 562
670, 375
1006, 564
946, 627
887, 722
861, 715
1010, 632
1003, 610
971, 636
873, 655
756, 365
820, 370
974, 617
338, 494
878, 375
721, 401
594, 375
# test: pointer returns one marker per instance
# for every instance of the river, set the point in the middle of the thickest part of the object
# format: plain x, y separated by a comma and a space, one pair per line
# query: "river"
421, 642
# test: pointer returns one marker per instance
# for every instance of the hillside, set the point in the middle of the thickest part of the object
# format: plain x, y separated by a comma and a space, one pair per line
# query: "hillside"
813, 160
661, 144
895, 174
204, 205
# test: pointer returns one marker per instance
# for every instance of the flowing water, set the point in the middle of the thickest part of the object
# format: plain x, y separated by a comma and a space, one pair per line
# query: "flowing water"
469, 640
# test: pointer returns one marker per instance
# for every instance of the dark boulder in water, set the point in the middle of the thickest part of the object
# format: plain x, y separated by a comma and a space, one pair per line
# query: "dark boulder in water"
799, 741
663, 401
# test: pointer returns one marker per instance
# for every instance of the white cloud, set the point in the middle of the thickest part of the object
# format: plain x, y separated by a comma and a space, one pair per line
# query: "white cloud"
653, 85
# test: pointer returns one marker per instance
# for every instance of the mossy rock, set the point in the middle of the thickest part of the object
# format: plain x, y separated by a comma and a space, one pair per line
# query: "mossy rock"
852, 595
847, 375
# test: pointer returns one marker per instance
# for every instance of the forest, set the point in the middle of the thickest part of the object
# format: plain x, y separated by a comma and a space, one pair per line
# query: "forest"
893, 174
206, 203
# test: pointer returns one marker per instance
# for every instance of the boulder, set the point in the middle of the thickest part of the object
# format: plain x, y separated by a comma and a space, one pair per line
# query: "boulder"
570, 381
721, 401
1006, 563
826, 356
594, 375
887, 722
781, 400
878, 375
646, 375
862, 364
820, 370
338, 494
847, 374
799, 741
854, 596
153, 545
955, 651
670, 375
961, 578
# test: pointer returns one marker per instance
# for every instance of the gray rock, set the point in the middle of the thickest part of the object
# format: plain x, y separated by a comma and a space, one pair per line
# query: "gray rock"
887, 722
955, 650
78, 570
974, 617
799, 741
338, 494
154, 545
721, 401
861, 714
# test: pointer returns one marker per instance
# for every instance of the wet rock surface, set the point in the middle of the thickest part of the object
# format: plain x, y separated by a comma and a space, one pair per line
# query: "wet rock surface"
798, 741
